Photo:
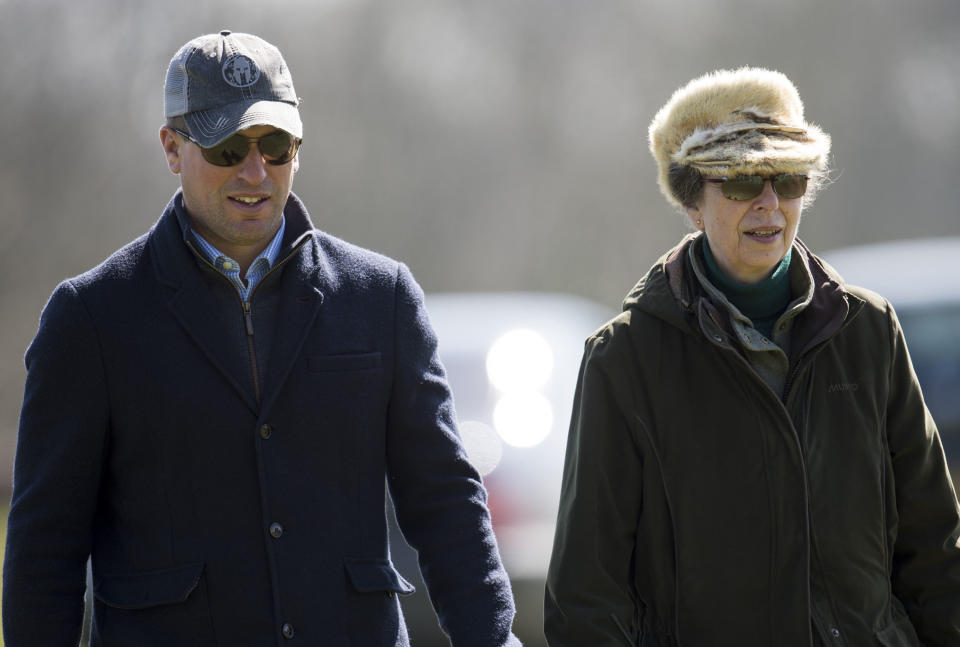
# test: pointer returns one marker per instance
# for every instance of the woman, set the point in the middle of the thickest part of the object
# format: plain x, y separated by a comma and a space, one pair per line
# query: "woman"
750, 460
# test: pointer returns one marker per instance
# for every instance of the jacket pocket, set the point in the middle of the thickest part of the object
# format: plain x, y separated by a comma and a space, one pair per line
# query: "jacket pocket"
373, 615
153, 608
371, 575
344, 362
899, 632
149, 589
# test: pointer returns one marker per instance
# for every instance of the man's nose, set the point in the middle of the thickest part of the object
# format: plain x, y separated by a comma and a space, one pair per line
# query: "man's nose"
253, 168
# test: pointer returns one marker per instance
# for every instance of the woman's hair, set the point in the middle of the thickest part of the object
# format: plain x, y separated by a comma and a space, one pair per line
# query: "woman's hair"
686, 184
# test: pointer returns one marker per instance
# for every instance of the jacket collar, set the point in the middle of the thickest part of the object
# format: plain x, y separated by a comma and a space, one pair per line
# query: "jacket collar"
189, 299
670, 291
171, 236
831, 307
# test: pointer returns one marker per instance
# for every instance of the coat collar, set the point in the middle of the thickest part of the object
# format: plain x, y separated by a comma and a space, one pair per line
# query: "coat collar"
189, 298
670, 291
170, 238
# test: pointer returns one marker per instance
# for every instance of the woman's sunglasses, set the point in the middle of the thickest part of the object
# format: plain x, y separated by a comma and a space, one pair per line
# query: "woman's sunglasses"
747, 187
278, 147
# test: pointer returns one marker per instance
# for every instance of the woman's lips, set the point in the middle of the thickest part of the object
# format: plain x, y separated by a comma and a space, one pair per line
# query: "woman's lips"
764, 233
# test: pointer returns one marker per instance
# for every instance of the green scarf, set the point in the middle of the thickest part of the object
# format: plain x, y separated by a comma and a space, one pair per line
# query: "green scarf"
763, 302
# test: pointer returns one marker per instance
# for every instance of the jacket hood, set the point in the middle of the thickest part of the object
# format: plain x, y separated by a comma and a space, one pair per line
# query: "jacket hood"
670, 290
661, 292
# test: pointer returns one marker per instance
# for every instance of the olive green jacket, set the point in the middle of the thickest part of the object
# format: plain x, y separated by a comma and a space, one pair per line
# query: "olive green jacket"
699, 508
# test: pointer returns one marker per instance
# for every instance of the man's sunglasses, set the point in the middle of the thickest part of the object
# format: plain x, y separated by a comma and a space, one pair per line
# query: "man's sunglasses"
748, 187
278, 147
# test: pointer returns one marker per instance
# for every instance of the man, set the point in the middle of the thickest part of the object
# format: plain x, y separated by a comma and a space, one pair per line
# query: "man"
211, 414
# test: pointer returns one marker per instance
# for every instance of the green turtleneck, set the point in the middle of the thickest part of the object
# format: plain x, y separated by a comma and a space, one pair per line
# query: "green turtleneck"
763, 302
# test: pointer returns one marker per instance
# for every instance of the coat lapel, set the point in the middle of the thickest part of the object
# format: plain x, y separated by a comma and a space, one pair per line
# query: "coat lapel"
193, 306
191, 301
301, 296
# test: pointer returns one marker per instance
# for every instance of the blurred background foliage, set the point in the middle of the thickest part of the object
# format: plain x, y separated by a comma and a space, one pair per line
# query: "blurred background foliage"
495, 145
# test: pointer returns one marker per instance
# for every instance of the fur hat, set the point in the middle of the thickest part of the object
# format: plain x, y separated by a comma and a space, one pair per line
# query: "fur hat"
741, 122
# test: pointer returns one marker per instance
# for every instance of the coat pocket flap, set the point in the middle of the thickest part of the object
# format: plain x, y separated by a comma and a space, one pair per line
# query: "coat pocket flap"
148, 589
369, 575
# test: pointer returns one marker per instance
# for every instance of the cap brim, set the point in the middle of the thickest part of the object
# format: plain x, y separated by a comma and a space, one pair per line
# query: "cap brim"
210, 127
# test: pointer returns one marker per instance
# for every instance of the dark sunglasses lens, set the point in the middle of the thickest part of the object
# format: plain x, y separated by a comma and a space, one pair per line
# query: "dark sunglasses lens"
278, 147
790, 186
746, 187
230, 151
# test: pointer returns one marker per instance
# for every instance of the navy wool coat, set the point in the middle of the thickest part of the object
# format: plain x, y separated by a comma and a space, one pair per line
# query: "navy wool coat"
224, 466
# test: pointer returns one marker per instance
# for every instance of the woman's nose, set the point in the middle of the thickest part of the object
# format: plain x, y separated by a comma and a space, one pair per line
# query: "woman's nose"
768, 199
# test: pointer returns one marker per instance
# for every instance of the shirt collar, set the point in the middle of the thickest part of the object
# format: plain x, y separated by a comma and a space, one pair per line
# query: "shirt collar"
269, 254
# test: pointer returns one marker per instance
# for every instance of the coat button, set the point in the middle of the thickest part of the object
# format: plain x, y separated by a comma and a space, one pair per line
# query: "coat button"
276, 530
287, 630
266, 431
834, 632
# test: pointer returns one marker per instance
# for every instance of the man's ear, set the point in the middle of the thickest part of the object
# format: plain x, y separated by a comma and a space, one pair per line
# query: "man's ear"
171, 148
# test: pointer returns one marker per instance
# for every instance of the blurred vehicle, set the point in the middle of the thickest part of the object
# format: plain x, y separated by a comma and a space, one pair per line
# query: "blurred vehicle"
512, 361
921, 278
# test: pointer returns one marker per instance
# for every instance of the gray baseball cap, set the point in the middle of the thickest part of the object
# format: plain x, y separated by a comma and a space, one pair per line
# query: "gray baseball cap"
222, 83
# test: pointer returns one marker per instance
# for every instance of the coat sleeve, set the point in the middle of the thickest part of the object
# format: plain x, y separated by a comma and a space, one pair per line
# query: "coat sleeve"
438, 496
926, 560
56, 477
590, 597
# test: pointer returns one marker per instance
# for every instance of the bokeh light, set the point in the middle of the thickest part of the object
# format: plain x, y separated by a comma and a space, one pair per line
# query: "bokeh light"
520, 360
523, 419
484, 448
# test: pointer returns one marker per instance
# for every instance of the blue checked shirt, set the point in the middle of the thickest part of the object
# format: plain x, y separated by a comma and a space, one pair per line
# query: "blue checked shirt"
231, 269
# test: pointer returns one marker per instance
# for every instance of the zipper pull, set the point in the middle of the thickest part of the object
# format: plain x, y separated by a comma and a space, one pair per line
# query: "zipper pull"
248, 318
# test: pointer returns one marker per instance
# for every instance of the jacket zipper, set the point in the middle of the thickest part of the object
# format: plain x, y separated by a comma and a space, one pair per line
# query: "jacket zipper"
792, 374
795, 371
251, 349
796, 439
247, 308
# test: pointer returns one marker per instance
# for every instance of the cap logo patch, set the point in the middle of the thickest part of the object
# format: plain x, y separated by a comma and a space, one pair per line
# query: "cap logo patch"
240, 71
